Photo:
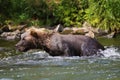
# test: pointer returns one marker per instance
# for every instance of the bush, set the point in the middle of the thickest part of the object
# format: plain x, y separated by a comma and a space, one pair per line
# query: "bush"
25, 11
103, 14
70, 12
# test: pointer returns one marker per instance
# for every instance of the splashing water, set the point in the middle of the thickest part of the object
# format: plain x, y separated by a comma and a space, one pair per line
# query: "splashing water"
111, 52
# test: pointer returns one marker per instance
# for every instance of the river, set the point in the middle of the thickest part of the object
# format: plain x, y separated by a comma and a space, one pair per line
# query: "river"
38, 65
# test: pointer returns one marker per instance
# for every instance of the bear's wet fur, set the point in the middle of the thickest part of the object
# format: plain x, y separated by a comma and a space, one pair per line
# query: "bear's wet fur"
58, 44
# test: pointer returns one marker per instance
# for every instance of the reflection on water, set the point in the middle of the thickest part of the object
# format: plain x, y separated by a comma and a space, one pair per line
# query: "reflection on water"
38, 65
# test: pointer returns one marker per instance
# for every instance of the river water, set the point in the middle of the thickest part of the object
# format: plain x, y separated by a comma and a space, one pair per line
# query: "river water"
38, 65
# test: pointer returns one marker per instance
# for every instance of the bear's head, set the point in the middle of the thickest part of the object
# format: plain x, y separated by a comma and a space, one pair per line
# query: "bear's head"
31, 39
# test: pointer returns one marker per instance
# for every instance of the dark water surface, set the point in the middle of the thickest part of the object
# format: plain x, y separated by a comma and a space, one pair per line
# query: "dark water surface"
38, 65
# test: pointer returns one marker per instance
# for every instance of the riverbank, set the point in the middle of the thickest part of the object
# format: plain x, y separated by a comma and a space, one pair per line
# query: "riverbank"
13, 32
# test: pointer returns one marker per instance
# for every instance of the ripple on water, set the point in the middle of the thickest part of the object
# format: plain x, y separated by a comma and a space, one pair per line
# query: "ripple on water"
6, 79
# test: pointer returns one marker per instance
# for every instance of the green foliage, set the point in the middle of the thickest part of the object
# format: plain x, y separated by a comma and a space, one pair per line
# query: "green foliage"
38, 8
70, 12
24, 11
104, 14
12, 9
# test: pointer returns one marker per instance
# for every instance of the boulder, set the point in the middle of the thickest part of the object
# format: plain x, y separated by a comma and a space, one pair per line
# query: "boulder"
5, 28
90, 34
67, 30
80, 30
10, 35
111, 35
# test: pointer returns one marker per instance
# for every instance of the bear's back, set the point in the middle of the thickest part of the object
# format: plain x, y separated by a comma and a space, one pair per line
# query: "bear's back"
73, 45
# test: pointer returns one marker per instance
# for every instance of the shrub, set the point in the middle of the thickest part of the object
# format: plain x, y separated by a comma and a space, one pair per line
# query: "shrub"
104, 14
70, 12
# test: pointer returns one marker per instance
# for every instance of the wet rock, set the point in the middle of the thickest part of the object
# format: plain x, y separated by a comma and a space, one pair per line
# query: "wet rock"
11, 28
10, 35
2, 49
67, 30
90, 34
100, 32
86, 24
79, 30
75, 31
86, 28
5, 28
111, 35
97, 31
21, 27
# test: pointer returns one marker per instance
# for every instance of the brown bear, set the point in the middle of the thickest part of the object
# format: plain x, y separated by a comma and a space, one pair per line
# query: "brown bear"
58, 44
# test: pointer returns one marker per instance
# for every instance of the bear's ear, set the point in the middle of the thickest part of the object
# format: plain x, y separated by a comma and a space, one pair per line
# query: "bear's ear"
34, 34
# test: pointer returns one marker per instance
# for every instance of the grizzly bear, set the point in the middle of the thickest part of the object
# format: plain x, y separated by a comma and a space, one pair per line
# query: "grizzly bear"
58, 44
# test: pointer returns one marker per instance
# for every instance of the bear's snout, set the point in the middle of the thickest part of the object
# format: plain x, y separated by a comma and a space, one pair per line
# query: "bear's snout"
19, 47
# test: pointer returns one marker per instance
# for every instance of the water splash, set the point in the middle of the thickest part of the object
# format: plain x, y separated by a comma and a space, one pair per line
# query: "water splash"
41, 57
111, 52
